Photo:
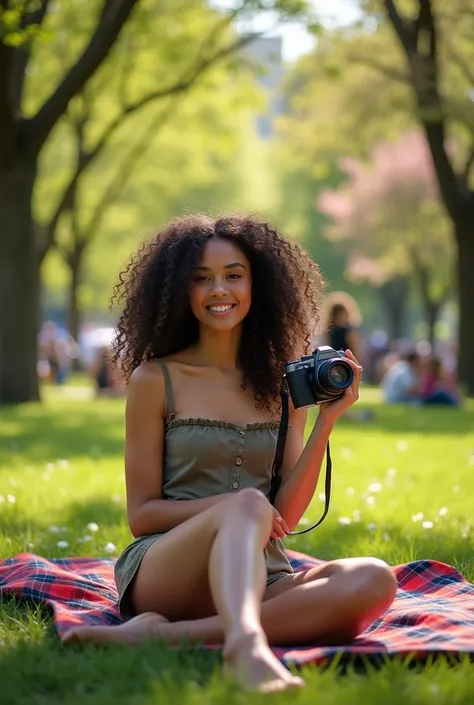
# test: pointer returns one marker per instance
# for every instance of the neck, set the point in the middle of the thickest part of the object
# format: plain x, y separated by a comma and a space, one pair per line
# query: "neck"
219, 348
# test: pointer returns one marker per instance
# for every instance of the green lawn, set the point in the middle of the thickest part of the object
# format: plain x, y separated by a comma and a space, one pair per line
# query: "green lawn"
403, 490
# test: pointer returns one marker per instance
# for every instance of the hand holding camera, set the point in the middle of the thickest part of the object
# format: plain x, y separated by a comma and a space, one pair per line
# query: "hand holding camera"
327, 377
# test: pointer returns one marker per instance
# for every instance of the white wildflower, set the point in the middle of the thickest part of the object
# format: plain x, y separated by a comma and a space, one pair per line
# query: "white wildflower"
375, 487
345, 521
417, 517
92, 526
64, 464
83, 539
356, 515
402, 446
322, 497
110, 547
427, 524
54, 529
11, 498
370, 500
391, 472
443, 511
372, 526
62, 544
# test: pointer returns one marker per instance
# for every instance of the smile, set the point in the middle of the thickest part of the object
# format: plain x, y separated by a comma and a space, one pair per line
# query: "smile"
220, 309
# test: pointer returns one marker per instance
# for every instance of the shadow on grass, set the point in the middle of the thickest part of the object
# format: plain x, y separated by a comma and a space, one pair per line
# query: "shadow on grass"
48, 435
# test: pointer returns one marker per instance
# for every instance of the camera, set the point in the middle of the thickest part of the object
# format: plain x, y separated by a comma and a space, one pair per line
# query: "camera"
322, 376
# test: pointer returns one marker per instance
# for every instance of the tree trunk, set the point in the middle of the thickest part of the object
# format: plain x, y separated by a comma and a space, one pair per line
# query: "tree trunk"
19, 287
465, 271
432, 306
74, 314
394, 296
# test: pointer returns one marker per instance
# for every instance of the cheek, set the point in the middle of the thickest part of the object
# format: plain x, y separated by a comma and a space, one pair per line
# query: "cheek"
245, 294
196, 297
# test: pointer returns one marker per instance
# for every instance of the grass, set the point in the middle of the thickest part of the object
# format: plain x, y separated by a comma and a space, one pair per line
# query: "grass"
61, 469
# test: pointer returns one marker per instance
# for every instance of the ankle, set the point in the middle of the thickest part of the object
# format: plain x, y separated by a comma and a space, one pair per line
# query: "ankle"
244, 640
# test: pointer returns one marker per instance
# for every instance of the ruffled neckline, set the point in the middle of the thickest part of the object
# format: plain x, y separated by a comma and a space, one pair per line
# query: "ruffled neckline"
214, 423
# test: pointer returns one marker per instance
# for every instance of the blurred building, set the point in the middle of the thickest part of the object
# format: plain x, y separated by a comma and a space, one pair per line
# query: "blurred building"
265, 55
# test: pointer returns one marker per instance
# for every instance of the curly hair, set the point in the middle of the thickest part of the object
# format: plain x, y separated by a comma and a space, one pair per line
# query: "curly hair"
157, 320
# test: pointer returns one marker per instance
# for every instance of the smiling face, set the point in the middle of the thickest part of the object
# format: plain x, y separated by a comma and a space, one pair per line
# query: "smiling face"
220, 293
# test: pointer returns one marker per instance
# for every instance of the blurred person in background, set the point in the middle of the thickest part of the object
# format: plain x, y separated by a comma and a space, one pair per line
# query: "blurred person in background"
106, 378
402, 381
343, 319
56, 350
438, 385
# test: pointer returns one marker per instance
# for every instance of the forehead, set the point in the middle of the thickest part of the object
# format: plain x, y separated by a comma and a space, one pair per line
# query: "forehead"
219, 252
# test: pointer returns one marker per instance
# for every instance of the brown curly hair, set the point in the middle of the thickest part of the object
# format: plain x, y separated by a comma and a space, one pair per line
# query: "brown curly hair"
157, 320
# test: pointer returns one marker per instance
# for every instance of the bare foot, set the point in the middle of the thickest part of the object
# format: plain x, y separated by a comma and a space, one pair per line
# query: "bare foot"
250, 661
144, 627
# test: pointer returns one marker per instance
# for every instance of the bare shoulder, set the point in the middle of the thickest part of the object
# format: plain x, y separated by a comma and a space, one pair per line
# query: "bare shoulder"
147, 386
146, 374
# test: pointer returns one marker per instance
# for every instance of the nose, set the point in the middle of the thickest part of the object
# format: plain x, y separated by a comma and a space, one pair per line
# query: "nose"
219, 288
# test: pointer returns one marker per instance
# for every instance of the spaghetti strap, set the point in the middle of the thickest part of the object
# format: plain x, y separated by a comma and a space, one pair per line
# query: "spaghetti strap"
168, 390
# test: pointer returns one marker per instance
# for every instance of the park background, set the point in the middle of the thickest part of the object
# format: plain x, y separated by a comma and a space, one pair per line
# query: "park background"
350, 125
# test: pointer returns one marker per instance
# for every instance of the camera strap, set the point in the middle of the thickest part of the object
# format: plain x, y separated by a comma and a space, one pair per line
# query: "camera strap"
278, 460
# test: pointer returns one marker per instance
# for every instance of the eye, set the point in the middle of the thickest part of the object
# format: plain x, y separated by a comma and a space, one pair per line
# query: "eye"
201, 278
234, 275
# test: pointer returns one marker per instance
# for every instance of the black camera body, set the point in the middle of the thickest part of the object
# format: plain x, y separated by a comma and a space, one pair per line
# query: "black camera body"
317, 378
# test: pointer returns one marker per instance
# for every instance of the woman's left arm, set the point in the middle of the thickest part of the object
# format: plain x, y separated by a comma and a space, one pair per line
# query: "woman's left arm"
302, 463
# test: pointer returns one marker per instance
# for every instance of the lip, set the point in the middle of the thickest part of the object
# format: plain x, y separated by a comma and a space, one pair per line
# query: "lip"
221, 314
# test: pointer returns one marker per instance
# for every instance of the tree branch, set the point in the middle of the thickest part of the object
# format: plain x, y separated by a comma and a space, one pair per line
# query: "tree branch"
113, 17
85, 235
389, 71
180, 86
402, 29
21, 56
466, 172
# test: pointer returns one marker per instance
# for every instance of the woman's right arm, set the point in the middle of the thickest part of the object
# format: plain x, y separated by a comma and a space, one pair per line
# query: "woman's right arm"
147, 511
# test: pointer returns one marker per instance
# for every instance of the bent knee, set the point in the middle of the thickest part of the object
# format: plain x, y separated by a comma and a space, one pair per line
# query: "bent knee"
379, 580
252, 503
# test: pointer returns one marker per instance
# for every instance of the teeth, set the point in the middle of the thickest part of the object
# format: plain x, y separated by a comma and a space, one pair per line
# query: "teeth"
220, 309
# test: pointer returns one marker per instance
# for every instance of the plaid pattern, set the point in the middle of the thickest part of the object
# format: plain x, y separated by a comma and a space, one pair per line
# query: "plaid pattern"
433, 610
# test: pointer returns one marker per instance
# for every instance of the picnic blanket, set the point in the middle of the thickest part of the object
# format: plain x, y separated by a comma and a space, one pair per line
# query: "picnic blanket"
433, 610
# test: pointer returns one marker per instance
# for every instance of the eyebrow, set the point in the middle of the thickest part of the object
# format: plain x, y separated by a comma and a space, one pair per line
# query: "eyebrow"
232, 265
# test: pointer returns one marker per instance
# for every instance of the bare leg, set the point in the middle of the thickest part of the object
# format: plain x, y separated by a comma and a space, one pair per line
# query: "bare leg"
227, 541
330, 604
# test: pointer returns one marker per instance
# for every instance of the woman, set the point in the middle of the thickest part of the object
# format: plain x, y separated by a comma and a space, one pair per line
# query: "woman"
213, 310
341, 334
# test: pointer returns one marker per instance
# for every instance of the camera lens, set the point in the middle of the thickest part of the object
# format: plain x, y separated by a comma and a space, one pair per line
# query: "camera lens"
340, 375
334, 376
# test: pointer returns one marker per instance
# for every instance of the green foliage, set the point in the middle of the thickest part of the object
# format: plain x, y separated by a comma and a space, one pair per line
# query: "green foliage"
183, 143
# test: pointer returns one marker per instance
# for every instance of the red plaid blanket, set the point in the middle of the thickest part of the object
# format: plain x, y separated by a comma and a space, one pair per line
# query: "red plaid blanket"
433, 610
